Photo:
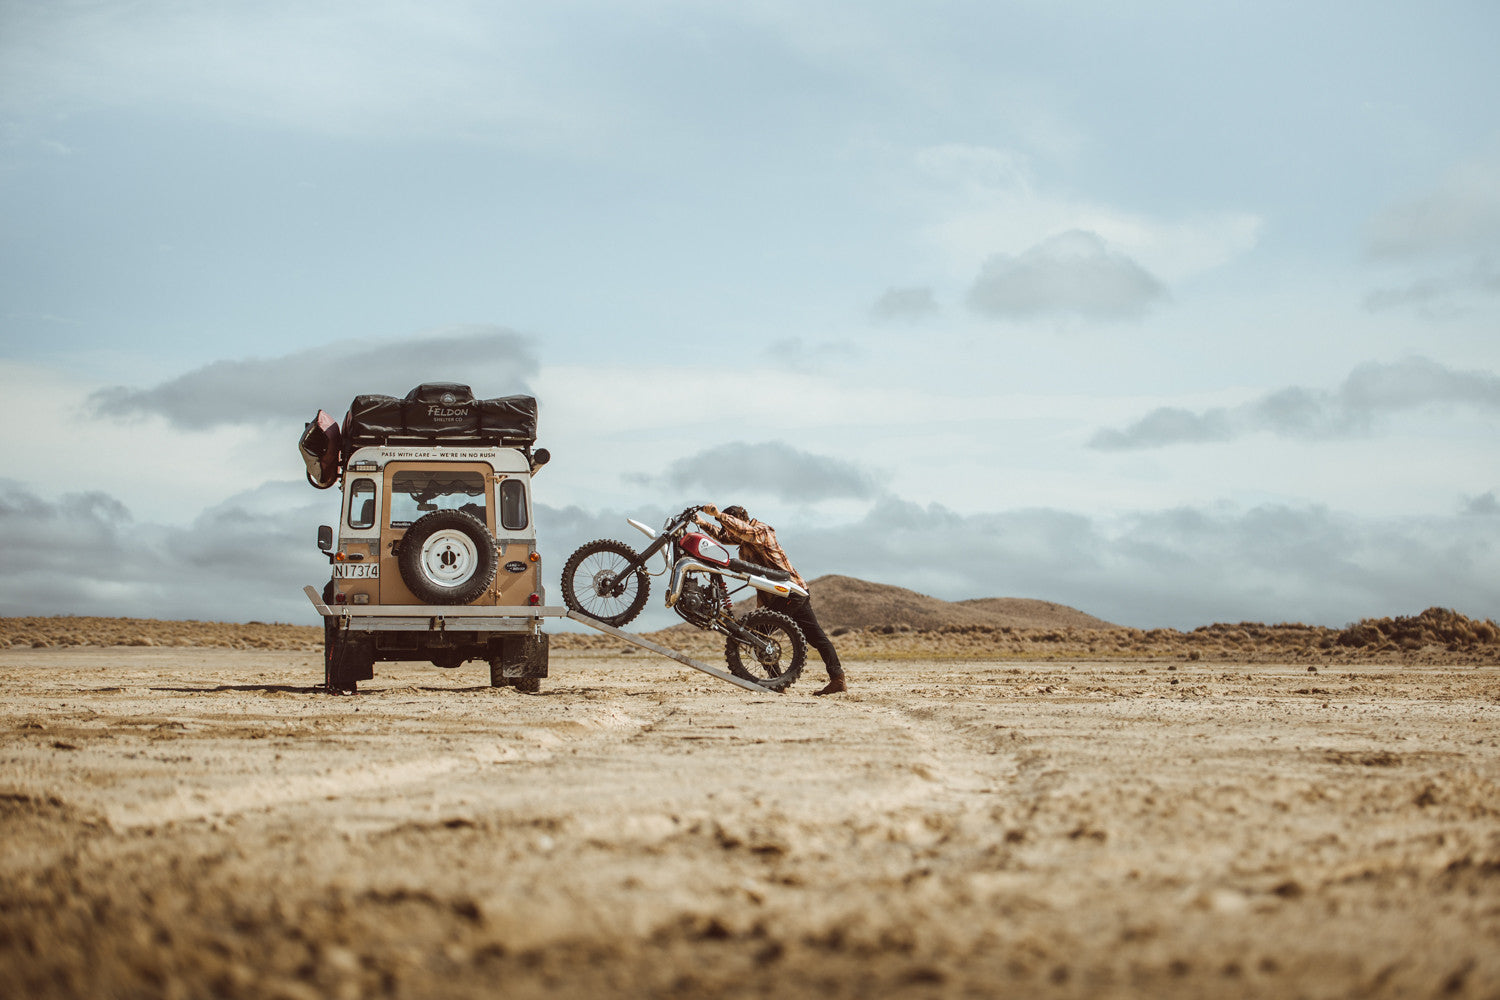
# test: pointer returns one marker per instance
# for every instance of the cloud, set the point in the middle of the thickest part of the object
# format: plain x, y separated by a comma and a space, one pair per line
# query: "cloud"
246, 558
982, 200
1371, 392
1179, 567
1459, 220
1440, 296
1072, 273
1484, 505
770, 469
1460, 216
904, 305
493, 361
249, 557
1168, 424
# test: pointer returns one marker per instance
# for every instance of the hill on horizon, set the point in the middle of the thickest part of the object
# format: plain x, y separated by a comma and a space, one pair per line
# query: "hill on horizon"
848, 602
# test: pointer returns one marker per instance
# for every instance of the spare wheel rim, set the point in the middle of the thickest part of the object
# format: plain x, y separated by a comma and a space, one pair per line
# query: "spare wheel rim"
449, 557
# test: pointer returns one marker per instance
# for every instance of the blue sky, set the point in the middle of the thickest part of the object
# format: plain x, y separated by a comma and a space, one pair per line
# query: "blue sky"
1173, 312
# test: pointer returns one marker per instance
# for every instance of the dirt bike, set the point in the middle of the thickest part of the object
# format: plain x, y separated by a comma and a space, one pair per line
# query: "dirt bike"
607, 580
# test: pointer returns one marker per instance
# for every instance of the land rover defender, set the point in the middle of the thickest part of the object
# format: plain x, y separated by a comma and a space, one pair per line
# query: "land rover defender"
435, 555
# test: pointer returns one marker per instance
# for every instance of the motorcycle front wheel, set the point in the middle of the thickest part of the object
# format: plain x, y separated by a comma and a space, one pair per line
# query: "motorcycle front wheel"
775, 660
594, 583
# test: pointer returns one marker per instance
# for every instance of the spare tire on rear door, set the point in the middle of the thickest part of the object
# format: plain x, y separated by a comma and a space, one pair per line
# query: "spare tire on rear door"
447, 557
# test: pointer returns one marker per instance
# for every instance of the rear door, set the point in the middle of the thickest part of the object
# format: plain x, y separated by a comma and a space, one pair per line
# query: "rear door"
413, 489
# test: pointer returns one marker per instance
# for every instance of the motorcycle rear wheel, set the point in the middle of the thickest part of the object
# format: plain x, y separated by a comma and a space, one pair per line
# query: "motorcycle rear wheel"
778, 663
594, 583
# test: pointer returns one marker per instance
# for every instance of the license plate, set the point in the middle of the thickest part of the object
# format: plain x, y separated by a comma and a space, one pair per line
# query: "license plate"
357, 571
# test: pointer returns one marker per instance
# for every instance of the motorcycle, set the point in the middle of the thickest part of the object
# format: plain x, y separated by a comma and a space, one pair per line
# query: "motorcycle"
608, 581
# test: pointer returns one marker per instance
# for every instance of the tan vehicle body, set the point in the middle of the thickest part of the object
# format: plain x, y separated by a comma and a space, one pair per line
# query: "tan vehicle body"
361, 545
373, 613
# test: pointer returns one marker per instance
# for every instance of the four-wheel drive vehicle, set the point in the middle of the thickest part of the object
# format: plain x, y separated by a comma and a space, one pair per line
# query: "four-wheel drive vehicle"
435, 556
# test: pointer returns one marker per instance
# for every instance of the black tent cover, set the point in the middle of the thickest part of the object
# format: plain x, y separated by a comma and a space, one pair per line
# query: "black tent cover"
439, 413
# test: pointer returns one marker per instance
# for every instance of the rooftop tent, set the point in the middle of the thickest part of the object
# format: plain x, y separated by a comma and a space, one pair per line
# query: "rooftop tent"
439, 413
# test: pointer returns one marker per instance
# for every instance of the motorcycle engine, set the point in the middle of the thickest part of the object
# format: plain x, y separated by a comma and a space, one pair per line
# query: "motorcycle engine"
699, 603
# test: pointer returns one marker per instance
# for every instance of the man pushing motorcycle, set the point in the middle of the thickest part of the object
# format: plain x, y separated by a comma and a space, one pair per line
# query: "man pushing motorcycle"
757, 542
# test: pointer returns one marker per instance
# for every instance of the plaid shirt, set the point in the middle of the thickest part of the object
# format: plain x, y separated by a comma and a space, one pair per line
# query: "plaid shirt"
757, 542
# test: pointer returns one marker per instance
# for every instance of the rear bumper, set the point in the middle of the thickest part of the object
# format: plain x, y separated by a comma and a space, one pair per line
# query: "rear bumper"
432, 617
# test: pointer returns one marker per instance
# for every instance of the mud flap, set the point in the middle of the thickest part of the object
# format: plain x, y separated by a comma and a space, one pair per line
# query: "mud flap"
520, 656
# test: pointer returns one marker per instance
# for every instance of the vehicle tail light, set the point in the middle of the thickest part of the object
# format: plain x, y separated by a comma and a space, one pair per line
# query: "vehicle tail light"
340, 557
534, 600
535, 557
339, 598
359, 599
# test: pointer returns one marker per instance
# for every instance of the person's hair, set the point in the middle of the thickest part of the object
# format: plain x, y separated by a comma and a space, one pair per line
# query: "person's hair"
737, 511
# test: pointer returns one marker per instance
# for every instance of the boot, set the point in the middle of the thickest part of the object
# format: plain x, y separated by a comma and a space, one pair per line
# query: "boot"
836, 683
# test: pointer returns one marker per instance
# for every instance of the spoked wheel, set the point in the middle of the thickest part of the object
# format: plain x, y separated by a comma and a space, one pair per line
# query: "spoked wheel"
595, 583
775, 660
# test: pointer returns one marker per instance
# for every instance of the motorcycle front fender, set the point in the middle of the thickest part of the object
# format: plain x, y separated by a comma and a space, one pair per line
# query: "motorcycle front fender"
666, 560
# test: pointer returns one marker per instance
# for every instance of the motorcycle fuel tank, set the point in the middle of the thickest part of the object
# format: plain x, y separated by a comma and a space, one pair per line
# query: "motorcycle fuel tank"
705, 548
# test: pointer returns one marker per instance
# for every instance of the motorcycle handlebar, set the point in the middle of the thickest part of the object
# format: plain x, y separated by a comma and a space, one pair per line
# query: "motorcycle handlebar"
685, 517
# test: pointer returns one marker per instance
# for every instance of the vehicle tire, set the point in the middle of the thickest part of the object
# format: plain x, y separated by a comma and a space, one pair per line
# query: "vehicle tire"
777, 665
592, 585
527, 685
447, 557
340, 669
333, 682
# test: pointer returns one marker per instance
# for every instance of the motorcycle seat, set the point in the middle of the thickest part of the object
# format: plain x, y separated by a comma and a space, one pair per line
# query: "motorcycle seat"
745, 566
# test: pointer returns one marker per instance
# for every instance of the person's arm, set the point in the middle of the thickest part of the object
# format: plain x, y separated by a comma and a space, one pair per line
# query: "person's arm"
740, 531
712, 530
730, 529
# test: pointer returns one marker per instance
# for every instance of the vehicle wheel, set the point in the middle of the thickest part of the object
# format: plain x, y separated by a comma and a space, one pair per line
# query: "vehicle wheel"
593, 584
777, 662
338, 666
333, 682
527, 685
447, 557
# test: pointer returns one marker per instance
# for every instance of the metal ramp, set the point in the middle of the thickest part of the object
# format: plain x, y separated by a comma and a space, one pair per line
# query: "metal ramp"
683, 658
389, 617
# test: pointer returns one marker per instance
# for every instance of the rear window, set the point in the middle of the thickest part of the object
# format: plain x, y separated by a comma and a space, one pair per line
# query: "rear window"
415, 492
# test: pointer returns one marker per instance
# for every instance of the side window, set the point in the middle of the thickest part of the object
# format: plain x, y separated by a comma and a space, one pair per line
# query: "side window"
512, 504
362, 503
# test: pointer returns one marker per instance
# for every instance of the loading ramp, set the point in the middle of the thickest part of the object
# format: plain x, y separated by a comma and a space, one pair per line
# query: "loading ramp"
390, 617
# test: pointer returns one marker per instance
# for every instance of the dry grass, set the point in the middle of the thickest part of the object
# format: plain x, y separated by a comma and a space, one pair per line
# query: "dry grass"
67, 630
870, 620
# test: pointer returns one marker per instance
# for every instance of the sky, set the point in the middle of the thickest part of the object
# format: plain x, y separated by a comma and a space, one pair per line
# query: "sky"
1173, 312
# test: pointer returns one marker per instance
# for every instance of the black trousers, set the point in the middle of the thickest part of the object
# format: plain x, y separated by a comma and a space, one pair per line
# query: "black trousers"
799, 609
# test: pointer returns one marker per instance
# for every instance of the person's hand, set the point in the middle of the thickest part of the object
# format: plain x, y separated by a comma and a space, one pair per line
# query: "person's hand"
710, 510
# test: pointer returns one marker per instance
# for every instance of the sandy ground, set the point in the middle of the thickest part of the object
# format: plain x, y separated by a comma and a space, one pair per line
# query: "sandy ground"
198, 822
